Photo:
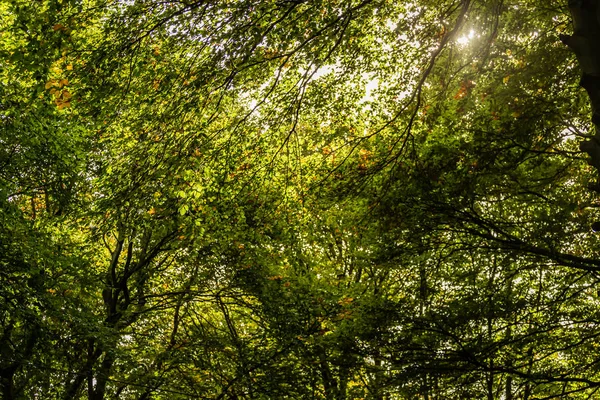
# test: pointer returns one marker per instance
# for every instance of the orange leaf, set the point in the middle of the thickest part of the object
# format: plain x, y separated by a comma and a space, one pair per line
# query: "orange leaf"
345, 301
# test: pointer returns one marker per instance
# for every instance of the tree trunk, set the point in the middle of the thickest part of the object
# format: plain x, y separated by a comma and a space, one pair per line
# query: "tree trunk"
344, 373
329, 383
102, 376
7, 387
14, 353
585, 43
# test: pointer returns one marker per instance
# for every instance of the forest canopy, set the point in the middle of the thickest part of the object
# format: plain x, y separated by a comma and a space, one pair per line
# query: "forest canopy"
299, 199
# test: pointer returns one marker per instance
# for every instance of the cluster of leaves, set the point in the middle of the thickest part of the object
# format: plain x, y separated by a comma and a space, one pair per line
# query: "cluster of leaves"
253, 199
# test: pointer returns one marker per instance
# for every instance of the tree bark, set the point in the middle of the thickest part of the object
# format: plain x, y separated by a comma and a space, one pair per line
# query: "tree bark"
585, 43
7, 388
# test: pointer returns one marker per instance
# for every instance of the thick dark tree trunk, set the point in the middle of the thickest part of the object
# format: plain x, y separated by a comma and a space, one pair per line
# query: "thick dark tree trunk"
13, 355
585, 43
102, 377
7, 389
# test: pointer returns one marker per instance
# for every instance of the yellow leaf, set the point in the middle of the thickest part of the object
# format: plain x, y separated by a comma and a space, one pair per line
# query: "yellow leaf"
64, 82
62, 104
70, 67
346, 314
50, 83
345, 301
506, 79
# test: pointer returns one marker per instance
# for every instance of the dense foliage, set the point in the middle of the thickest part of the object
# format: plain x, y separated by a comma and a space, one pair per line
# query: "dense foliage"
297, 199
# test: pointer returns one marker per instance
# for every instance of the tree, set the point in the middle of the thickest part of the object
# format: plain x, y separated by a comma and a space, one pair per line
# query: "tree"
297, 199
